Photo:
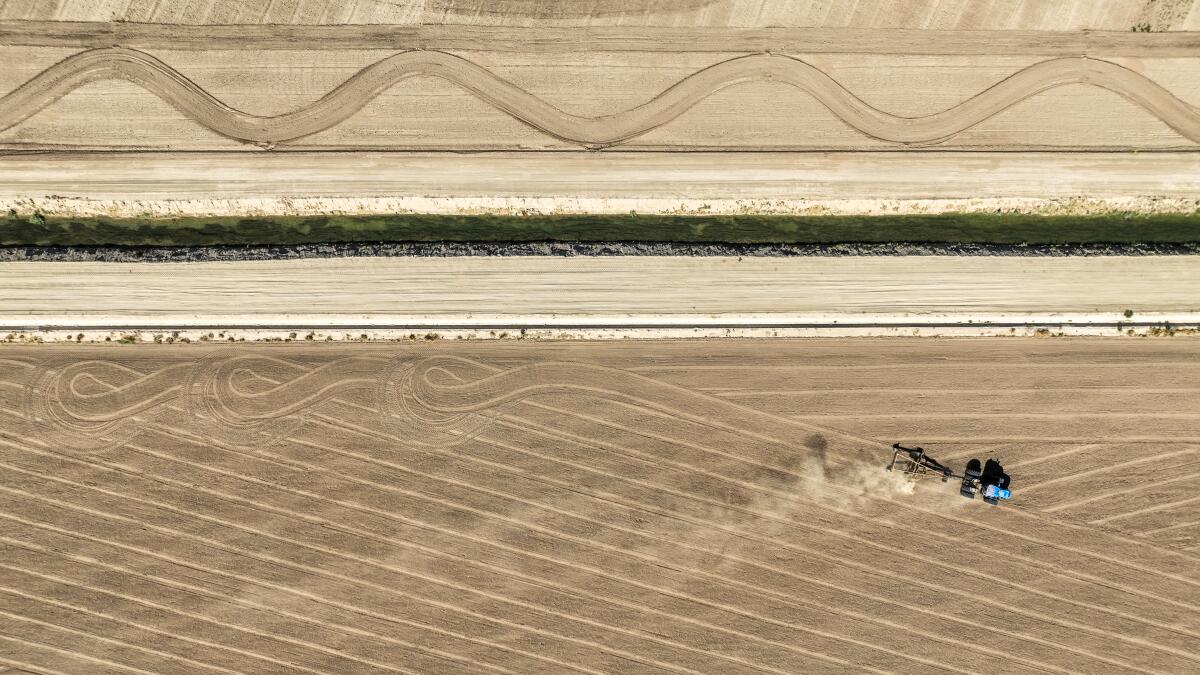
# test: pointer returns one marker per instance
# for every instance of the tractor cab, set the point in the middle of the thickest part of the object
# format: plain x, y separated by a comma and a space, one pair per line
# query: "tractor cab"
988, 479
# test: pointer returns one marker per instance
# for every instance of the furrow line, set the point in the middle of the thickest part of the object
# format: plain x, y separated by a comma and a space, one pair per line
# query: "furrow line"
313, 597
936, 514
1149, 509
1168, 528
1123, 491
528, 425
669, 515
173, 610
75, 654
101, 638
1056, 455
452, 533
392, 569
834, 560
936, 588
188, 588
1108, 467
519, 523
243, 553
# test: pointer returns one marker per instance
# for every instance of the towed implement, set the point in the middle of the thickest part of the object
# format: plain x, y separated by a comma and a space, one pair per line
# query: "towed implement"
986, 479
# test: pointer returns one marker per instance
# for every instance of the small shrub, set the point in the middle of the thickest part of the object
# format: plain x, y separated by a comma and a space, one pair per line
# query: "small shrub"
1129, 314
37, 219
11, 216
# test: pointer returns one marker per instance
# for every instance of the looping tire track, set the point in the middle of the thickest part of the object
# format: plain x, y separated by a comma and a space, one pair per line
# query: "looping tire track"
248, 392
608, 130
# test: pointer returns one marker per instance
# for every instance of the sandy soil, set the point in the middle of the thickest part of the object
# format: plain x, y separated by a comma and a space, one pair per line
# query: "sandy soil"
597, 507
303, 183
512, 292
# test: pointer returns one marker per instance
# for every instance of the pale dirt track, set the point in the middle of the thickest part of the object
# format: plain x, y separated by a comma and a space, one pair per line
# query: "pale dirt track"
597, 507
548, 291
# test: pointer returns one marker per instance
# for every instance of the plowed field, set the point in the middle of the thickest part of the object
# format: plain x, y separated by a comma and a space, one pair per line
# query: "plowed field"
598, 507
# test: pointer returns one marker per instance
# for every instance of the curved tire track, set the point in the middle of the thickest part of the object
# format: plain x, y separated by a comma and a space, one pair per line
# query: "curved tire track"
367, 84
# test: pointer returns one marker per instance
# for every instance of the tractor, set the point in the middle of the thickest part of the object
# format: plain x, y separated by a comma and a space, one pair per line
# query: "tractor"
986, 479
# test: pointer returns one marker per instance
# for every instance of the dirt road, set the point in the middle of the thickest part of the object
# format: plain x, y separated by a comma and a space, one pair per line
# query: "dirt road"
597, 507
508, 293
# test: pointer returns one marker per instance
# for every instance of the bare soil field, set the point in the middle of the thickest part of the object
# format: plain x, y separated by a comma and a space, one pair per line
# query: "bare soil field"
604, 89
662, 506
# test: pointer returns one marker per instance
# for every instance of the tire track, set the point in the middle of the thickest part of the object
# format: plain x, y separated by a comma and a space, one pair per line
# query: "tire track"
643, 660
360, 89
312, 467
897, 503
260, 482
254, 655
670, 414
175, 584
367, 474
1120, 492
522, 524
926, 560
355, 609
1149, 509
100, 638
1037, 485
667, 515
578, 377
72, 654
40, 599
1151, 533
391, 569
747, 635
525, 425
252, 581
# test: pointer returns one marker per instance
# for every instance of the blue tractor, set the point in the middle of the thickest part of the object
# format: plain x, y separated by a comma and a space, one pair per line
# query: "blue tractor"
990, 481
986, 479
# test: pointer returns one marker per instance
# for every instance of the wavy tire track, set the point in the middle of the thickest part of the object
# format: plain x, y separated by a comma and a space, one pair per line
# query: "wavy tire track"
363, 87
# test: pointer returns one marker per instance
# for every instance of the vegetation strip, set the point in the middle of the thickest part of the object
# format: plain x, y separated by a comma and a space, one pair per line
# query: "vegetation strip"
1003, 229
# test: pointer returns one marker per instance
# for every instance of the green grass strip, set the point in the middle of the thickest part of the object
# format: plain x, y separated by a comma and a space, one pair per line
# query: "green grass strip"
743, 229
